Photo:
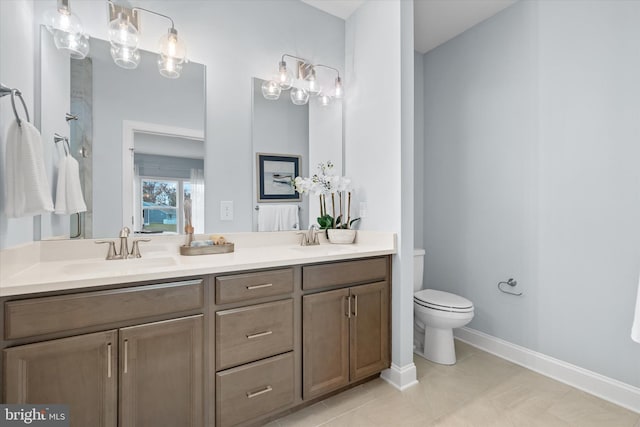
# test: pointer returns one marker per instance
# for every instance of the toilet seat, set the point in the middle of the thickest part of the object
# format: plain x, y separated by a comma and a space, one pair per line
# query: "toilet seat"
442, 301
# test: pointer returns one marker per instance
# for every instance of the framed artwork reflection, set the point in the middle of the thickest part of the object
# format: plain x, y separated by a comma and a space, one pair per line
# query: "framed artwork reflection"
276, 173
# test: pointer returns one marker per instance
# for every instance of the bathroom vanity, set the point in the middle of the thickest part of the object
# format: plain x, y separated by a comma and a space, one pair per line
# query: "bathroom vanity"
231, 346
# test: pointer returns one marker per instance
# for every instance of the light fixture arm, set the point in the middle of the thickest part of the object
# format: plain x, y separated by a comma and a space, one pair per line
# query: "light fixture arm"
327, 66
306, 61
155, 13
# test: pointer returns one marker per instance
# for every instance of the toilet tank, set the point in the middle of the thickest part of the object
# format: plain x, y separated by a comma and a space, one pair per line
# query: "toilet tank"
418, 269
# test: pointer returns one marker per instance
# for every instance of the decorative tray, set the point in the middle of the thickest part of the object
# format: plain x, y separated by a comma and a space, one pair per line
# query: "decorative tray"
206, 250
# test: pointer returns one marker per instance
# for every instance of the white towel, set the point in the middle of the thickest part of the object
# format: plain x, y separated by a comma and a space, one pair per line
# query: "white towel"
27, 188
69, 198
635, 329
278, 217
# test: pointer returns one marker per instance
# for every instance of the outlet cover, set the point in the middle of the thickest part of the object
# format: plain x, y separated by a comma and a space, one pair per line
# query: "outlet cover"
226, 211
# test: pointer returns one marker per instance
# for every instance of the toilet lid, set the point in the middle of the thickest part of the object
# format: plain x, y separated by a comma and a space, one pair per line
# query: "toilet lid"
444, 301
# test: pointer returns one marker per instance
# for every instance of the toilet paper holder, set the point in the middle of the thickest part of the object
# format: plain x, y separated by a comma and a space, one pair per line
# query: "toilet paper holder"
511, 282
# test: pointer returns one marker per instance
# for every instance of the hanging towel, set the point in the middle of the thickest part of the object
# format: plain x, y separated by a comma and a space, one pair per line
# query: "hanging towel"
69, 198
27, 188
277, 217
635, 328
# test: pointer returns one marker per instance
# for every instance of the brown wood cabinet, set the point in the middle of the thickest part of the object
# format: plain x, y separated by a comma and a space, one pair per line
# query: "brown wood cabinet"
151, 373
234, 349
80, 371
345, 335
161, 373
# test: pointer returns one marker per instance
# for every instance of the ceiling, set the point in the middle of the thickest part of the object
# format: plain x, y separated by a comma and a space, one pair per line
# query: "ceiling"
435, 21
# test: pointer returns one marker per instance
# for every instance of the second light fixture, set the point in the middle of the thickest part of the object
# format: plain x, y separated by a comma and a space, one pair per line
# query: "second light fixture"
304, 85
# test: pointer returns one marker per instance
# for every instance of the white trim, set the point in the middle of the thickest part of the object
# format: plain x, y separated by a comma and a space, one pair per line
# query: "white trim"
606, 388
129, 129
400, 377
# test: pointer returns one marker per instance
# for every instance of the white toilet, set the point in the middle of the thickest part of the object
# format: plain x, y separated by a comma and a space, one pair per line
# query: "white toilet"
435, 315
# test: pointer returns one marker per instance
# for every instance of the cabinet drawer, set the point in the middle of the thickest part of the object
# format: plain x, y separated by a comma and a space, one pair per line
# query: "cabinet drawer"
344, 273
255, 332
37, 316
242, 287
252, 390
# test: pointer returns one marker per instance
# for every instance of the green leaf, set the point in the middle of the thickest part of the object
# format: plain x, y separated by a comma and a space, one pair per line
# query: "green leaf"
325, 222
352, 221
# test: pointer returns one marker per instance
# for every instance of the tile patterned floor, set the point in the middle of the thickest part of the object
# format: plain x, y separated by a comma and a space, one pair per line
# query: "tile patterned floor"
480, 390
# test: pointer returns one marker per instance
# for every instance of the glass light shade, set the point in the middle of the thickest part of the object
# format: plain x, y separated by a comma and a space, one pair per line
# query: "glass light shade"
172, 46
122, 32
284, 77
169, 67
271, 90
62, 19
76, 45
299, 96
324, 99
314, 87
339, 90
125, 57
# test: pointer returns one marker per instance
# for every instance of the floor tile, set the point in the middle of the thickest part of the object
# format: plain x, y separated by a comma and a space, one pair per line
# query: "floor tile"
479, 390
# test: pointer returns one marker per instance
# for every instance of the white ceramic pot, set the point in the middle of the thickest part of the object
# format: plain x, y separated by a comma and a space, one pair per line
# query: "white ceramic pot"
341, 236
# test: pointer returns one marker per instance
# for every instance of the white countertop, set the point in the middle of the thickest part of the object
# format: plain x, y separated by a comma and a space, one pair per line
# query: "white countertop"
59, 265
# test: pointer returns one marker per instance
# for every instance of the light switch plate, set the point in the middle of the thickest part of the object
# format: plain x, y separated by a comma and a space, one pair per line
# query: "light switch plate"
226, 211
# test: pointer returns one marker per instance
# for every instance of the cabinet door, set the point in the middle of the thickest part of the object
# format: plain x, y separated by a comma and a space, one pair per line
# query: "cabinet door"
161, 373
369, 330
79, 371
326, 342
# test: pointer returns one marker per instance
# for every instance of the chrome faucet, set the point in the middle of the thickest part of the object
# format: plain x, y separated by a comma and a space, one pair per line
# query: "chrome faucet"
124, 242
124, 246
310, 237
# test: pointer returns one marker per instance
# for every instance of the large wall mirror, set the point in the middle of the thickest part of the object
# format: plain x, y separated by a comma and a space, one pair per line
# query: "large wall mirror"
139, 139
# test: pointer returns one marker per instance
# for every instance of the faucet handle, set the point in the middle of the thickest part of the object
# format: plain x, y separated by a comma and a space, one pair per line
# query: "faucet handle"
111, 252
135, 248
125, 232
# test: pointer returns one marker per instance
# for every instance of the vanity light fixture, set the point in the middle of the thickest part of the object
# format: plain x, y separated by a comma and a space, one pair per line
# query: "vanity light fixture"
66, 29
124, 31
304, 85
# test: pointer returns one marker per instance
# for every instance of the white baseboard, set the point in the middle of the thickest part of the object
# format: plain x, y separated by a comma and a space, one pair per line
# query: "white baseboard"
400, 377
606, 388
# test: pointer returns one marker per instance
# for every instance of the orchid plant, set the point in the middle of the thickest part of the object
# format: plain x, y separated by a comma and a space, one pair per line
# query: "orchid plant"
327, 183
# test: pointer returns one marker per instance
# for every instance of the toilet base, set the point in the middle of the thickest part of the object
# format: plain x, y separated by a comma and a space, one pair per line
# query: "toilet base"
438, 346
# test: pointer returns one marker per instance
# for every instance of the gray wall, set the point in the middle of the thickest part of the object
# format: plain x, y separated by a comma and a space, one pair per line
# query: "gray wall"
531, 172
17, 41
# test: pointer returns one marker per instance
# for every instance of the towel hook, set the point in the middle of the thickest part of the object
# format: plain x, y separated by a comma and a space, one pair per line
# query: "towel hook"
4, 90
511, 283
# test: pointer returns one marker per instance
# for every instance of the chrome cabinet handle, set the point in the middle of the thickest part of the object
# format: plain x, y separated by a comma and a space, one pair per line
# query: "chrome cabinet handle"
126, 355
109, 360
259, 334
348, 306
355, 305
251, 395
252, 287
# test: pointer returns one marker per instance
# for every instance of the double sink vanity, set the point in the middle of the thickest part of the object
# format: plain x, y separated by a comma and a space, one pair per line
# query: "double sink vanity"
170, 340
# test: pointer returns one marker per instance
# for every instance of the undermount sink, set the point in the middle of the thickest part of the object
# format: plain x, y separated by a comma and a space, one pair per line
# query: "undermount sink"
118, 265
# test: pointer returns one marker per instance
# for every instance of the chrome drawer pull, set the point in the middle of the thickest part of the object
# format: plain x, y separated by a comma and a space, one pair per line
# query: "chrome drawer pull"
259, 334
252, 287
126, 356
109, 360
267, 389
